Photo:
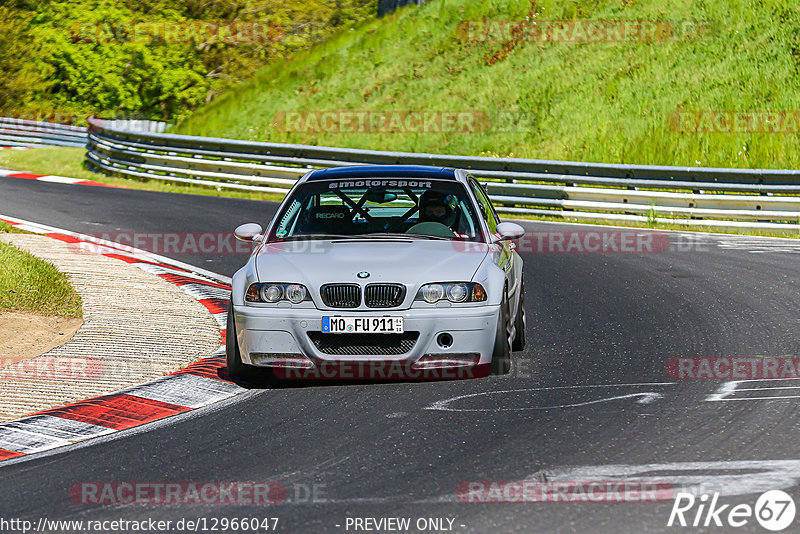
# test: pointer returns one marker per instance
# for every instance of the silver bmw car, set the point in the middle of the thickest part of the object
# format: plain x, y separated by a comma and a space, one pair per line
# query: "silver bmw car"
378, 272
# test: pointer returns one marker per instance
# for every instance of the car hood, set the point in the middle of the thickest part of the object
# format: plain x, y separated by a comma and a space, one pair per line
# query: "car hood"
408, 261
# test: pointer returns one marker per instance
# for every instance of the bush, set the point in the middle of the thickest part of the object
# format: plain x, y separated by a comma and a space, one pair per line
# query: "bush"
82, 57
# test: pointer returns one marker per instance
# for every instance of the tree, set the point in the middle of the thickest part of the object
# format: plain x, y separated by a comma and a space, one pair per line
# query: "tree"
17, 63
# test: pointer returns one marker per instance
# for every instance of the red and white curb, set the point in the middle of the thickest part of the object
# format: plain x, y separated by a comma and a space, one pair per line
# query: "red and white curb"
14, 147
53, 178
200, 384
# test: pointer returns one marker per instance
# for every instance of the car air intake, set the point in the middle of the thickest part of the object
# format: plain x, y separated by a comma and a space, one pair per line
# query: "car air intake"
364, 344
384, 295
341, 295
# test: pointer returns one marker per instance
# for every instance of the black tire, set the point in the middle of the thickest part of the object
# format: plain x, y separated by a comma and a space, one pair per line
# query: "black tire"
236, 369
519, 322
501, 356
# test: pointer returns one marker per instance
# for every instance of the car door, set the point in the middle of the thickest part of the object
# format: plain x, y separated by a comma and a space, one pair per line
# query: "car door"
505, 258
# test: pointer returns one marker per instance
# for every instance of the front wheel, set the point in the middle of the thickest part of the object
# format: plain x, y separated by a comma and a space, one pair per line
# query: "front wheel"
236, 369
501, 356
520, 322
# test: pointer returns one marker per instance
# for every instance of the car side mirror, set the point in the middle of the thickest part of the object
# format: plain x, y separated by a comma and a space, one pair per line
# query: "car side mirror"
248, 232
508, 231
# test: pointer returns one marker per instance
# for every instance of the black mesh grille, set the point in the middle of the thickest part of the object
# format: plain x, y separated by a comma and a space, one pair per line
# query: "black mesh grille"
341, 295
384, 295
364, 344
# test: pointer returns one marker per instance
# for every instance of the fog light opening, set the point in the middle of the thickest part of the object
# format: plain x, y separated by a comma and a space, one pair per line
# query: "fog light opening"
444, 361
445, 340
284, 361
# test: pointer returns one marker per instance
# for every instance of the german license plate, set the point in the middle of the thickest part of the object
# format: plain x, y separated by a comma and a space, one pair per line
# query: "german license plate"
362, 325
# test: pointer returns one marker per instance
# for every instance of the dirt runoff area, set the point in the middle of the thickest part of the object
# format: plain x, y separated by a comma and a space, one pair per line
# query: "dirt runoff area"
27, 335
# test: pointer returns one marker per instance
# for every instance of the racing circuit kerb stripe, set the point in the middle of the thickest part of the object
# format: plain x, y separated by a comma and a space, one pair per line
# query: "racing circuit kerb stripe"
53, 178
201, 383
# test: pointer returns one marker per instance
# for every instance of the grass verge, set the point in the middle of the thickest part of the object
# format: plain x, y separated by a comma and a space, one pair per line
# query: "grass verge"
68, 161
6, 228
28, 284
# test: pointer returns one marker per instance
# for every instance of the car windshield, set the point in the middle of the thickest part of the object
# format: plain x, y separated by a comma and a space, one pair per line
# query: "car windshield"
378, 207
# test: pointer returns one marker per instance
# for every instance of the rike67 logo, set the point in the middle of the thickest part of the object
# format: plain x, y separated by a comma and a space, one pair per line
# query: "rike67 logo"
774, 510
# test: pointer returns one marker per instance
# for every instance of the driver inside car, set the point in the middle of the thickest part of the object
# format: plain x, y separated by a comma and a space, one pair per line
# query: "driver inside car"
437, 215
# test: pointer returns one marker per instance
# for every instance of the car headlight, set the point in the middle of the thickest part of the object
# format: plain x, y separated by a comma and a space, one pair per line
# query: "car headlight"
296, 293
432, 293
453, 291
275, 292
270, 293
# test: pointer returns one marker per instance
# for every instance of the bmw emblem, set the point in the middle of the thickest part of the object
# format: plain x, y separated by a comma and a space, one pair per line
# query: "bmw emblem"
363, 274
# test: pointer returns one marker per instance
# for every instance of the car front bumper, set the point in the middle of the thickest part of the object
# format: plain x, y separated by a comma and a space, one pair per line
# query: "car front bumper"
269, 337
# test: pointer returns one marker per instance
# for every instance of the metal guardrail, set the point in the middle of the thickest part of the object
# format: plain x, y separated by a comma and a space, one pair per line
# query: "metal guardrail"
589, 190
27, 133
137, 125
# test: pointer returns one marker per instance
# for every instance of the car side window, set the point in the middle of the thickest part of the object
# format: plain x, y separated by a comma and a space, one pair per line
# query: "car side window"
487, 210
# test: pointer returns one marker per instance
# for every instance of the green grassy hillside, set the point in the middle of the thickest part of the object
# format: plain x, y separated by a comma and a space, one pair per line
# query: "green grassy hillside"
592, 101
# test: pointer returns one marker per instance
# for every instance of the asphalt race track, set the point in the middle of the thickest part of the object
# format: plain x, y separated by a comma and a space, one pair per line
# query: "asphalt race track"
590, 398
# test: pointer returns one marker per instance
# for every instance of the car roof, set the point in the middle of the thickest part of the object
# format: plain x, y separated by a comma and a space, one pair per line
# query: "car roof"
384, 171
